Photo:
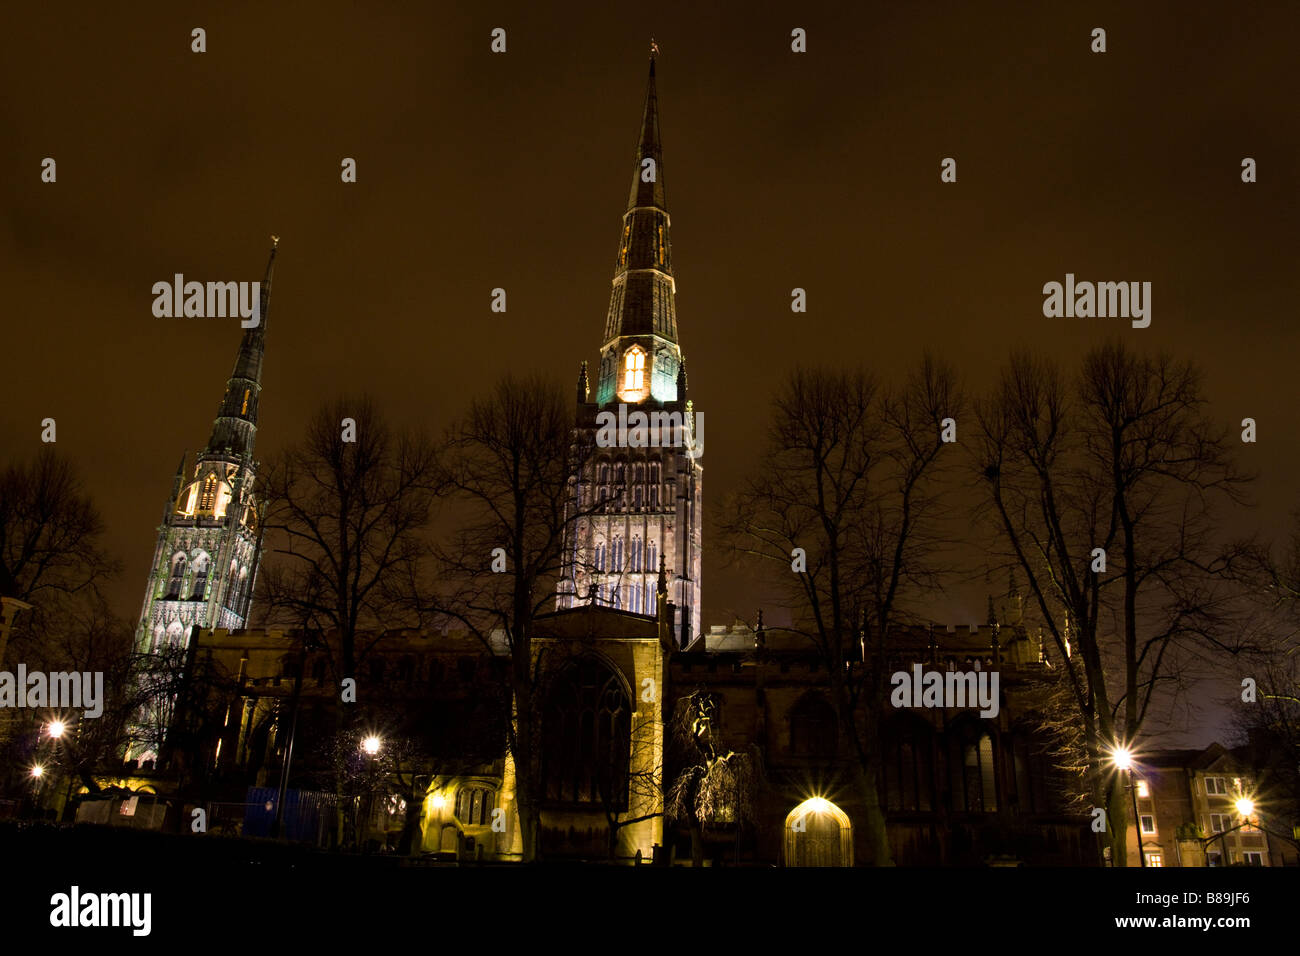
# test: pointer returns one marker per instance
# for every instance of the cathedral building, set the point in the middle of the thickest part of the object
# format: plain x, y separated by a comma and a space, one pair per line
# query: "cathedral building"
205, 561
638, 497
658, 739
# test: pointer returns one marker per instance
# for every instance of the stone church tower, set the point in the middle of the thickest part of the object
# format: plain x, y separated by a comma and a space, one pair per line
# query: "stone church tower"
205, 563
639, 494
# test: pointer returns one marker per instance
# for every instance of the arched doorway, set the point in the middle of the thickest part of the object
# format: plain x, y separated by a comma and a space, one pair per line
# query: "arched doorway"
818, 833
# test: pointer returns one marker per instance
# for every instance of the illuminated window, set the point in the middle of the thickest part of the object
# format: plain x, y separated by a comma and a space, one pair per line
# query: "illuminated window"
1155, 859
622, 246
661, 244
634, 370
209, 493
1143, 790
244, 410
474, 805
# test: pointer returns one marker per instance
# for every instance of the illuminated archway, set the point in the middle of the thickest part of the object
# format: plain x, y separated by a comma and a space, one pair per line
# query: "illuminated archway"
818, 833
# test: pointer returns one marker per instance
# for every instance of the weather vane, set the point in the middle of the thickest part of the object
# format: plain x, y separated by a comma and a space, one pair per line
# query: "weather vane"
654, 48
275, 241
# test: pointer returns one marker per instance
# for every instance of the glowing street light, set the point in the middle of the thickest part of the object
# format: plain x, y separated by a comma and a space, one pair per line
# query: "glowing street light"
37, 772
1122, 757
1245, 806
371, 745
56, 728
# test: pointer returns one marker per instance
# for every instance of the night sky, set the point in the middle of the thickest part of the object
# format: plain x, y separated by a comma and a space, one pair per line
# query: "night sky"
475, 170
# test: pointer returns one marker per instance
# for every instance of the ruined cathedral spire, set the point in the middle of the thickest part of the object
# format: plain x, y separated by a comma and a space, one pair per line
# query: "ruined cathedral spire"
235, 429
641, 324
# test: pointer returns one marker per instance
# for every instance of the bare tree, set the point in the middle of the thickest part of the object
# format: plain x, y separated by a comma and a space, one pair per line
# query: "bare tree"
50, 533
348, 510
1105, 493
848, 488
512, 462
711, 784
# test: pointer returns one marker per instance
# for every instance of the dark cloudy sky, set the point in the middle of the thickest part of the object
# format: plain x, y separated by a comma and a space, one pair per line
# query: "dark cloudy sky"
475, 170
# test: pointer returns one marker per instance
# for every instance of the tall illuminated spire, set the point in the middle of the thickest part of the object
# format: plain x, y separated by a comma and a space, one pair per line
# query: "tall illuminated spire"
642, 311
235, 429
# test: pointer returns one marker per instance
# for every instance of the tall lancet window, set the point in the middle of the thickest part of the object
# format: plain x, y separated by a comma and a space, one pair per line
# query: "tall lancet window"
178, 575
633, 372
209, 493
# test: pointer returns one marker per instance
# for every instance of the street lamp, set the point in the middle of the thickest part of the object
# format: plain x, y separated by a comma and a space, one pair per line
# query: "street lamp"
1122, 757
37, 772
56, 728
370, 746
1245, 808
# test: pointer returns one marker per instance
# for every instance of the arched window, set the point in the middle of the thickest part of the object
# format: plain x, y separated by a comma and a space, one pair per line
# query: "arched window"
586, 737
209, 495
474, 806
974, 783
814, 731
617, 564
909, 778
600, 557
200, 578
651, 562
634, 369
177, 578
636, 553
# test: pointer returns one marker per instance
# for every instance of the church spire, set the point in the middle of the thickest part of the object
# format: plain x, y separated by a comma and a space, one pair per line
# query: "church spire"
235, 428
641, 324
649, 191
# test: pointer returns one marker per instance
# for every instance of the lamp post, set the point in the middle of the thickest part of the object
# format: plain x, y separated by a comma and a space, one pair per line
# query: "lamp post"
371, 745
1245, 807
1122, 757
